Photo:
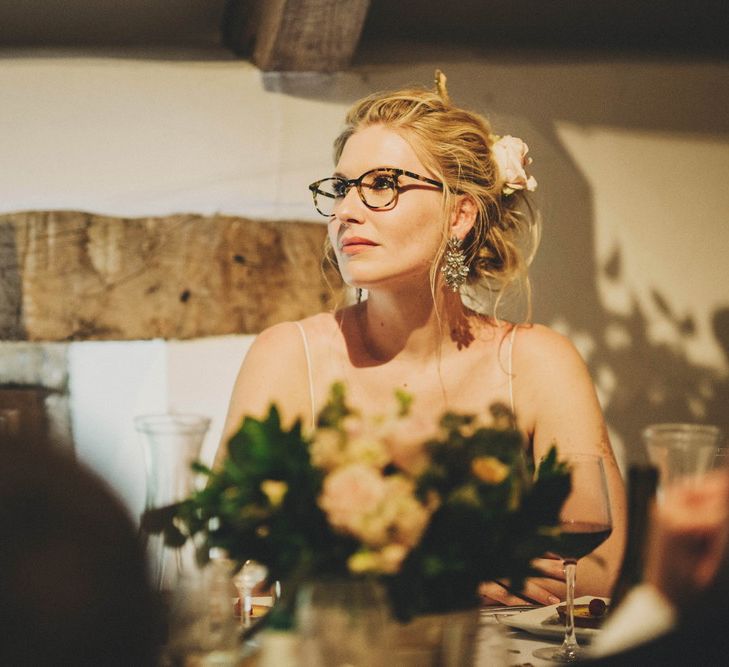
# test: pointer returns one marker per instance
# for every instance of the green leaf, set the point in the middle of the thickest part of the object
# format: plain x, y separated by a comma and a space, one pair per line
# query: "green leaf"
336, 407
155, 520
404, 401
200, 467
173, 536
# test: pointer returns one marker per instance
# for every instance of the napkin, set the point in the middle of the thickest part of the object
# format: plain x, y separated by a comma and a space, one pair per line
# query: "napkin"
643, 615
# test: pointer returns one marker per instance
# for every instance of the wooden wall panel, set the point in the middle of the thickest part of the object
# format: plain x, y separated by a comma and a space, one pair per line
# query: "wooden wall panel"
78, 276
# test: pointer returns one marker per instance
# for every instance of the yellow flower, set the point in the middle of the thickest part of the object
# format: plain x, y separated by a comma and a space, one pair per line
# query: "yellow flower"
363, 561
489, 469
465, 494
274, 490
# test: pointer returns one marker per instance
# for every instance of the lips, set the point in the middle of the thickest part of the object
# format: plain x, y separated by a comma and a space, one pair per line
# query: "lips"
355, 244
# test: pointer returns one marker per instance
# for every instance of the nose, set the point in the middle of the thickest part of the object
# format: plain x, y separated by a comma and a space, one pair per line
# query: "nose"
350, 208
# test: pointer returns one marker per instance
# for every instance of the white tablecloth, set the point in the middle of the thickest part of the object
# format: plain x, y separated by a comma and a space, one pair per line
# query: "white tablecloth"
502, 646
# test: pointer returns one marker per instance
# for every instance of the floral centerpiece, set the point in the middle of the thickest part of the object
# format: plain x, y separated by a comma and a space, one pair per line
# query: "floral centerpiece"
347, 501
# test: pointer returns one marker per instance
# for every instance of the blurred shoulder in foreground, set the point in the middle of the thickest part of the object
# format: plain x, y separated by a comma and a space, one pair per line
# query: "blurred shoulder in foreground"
73, 585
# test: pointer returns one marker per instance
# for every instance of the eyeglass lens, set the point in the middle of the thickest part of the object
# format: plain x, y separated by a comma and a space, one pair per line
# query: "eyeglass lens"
377, 189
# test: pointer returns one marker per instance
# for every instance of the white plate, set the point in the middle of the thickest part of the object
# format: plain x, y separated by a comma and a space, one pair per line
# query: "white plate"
544, 621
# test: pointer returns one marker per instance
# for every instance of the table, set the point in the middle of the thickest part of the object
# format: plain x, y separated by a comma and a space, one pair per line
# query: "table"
497, 645
502, 646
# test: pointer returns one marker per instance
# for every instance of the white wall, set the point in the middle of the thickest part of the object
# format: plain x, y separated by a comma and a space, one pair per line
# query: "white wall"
631, 158
145, 137
113, 382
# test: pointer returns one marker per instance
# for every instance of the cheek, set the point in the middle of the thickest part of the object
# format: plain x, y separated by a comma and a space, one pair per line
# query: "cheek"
426, 229
332, 233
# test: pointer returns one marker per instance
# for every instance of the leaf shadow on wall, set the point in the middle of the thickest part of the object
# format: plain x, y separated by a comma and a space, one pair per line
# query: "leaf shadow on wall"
654, 382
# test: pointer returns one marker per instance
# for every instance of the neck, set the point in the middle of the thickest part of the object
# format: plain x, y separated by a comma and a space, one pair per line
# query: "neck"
409, 323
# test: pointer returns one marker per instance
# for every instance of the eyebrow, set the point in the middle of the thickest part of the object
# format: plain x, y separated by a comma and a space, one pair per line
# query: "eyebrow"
339, 174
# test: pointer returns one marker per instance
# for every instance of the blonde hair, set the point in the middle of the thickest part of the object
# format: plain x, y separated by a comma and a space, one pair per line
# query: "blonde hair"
455, 144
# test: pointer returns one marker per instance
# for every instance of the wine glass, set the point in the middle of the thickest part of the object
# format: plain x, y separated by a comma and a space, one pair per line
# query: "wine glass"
585, 523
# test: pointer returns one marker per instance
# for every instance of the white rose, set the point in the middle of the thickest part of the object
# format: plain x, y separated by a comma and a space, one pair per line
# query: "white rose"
510, 154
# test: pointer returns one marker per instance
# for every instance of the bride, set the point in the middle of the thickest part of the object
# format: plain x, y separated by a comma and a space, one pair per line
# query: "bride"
423, 207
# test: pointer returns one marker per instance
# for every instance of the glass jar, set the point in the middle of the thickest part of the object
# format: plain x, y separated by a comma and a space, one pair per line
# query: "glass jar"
171, 442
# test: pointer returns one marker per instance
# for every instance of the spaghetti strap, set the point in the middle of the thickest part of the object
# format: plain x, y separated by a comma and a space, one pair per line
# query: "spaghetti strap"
512, 335
309, 373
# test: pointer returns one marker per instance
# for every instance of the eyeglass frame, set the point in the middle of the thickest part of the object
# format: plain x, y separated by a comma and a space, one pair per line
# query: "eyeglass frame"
349, 183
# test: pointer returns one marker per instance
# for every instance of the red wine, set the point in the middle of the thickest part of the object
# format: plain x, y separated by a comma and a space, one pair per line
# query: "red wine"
579, 538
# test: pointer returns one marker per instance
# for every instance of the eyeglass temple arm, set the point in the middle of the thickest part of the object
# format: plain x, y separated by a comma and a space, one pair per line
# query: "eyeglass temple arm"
421, 178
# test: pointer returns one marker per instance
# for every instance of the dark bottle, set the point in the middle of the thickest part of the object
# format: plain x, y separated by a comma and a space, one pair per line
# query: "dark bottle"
642, 481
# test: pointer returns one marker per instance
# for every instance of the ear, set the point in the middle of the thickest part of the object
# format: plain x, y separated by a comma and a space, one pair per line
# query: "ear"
464, 216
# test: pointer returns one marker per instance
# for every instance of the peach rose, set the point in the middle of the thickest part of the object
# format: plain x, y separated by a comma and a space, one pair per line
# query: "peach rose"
510, 154
408, 516
391, 558
350, 494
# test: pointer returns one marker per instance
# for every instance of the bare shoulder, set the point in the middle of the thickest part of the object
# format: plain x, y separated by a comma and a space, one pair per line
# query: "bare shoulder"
281, 334
550, 376
320, 324
537, 346
286, 337
276, 366
538, 337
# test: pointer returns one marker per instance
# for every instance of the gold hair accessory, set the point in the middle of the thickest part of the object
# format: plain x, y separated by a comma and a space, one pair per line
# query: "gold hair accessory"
440, 86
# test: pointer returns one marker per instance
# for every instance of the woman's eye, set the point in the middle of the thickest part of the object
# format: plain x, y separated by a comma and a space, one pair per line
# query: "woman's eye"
340, 189
383, 183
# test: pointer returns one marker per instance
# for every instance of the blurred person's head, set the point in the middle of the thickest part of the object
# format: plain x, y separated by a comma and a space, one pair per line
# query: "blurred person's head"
73, 583
688, 556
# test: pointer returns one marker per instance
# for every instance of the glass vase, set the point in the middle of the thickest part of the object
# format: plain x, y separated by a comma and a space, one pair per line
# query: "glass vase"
342, 622
171, 442
444, 640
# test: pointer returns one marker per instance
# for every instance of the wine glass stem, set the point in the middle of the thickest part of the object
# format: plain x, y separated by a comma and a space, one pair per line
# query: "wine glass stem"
569, 645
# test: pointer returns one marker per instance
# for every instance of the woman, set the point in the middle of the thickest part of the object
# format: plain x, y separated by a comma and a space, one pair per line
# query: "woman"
419, 209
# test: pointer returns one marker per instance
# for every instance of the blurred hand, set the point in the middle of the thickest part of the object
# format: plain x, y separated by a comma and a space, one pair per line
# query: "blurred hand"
549, 589
688, 537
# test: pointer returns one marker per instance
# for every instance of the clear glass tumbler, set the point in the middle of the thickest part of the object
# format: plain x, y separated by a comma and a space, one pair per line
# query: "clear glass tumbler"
681, 451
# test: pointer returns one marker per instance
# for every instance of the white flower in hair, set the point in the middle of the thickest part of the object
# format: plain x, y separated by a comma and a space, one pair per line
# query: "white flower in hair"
510, 154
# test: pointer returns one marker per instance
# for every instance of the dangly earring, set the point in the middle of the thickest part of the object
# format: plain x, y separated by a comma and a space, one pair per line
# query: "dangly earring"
359, 295
454, 269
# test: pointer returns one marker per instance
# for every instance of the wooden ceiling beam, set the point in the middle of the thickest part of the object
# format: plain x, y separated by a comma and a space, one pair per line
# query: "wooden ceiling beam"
295, 35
